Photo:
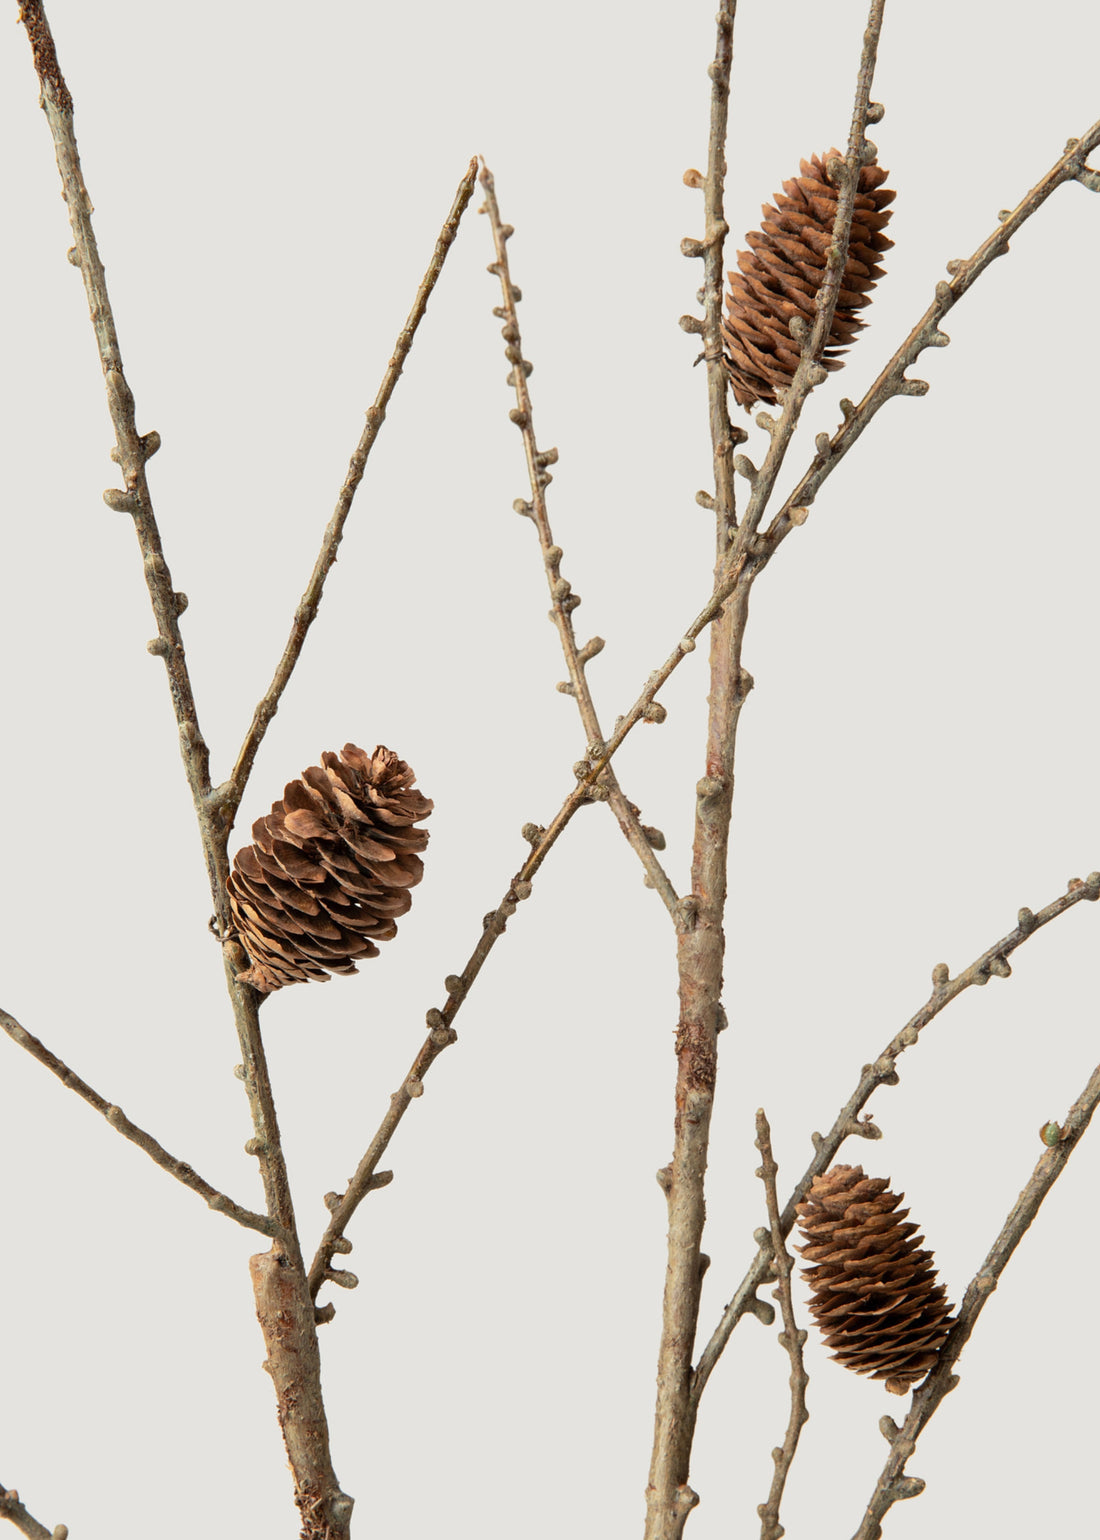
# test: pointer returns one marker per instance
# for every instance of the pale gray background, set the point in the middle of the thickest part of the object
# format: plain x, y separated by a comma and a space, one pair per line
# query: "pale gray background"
917, 761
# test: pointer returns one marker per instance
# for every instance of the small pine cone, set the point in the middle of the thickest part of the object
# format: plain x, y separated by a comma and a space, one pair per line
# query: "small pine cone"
781, 275
329, 870
874, 1294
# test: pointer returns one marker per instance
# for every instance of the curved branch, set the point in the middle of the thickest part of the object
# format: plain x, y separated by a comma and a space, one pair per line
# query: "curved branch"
992, 963
893, 1485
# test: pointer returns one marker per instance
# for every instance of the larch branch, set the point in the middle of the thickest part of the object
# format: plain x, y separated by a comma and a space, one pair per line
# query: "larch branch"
893, 1485
118, 1120
562, 598
306, 612
992, 963
14, 1511
792, 1338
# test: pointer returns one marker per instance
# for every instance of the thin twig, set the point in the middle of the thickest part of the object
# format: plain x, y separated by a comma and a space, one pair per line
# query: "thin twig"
810, 371
13, 1510
118, 1120
892, 380
792, 1338
893, 1485
562, 598
308, 605
992, 963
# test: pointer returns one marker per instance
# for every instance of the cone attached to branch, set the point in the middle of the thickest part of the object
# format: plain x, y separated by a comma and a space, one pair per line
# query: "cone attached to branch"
875, 1297
780, 277
329, 869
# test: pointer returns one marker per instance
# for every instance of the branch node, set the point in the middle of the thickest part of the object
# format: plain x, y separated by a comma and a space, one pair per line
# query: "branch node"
705, 500
332, 1201
888, 1428
159, 647
254, 1147
664, 1180
909, 387
695, 179
414, 1087
1050, 1133
653, 711
824, 446
941, 975
999, 968
523, 507
875, 112
692, 324
1025, 921
341, 1277
533, 833
907, 1486
798, 515
150, 443
121, 501
744, 467
455, 985
763, 1312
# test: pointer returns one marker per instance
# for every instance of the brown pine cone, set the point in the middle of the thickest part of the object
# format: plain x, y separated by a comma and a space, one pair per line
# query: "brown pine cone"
329, 870
874, 1294
779, 278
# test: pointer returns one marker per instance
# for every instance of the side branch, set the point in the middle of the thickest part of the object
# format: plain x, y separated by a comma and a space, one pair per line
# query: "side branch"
121, 1123
993, 963
304, 616
792, 1337
892, 380
893, 1485
563, 600
13, 1510
810, 371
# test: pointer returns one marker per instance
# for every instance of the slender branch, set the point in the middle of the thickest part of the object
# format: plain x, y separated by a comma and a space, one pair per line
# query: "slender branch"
562, 598
131, 452
792, 1338
810, 371
701, 937
184, 1173
13, 1510
892, 380
893, 1485
992, 963
308, 605
280, 1284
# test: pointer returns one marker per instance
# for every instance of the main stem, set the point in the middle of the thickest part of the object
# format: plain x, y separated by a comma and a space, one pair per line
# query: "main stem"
283, 1301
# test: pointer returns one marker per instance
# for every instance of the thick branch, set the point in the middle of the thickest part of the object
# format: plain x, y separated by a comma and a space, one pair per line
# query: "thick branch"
993, 963
309, 603
13, 1510
562, 598
701, 938
121, 1123
893, 1485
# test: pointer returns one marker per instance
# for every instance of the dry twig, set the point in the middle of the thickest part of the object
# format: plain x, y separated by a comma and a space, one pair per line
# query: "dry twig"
13, 1510
893, 1485
304, 616
992, 963
563, 600
218, 1201
792, 1337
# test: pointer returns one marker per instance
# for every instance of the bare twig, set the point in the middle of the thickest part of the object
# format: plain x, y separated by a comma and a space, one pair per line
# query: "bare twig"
810, 371
893, 1485
992, 963
792, 1338
13, 1510
563, 600
121, 1123
892, 380
325, 1509
308, 605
